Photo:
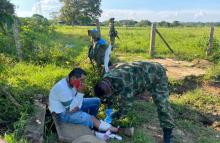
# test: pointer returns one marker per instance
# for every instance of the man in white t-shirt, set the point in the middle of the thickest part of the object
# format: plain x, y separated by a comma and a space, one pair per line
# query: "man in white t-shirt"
67, 102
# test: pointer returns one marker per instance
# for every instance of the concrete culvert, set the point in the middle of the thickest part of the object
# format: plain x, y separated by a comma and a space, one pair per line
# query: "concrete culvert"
88, 139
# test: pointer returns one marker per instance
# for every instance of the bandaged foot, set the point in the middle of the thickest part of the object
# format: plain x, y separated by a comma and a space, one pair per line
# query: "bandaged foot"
104, 126
103, 136
114, 136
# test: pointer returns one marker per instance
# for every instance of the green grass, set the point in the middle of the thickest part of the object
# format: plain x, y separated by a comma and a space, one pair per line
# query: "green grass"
193, 112
187, 43
66, 48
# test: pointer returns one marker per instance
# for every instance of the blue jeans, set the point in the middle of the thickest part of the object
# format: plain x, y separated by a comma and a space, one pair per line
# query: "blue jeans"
90, 107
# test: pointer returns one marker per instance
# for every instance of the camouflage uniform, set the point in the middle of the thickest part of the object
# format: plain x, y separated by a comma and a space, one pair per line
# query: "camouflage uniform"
112, 32
131, 79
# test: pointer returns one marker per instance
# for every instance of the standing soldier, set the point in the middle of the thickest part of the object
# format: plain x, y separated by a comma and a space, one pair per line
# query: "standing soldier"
121, 84
112, 32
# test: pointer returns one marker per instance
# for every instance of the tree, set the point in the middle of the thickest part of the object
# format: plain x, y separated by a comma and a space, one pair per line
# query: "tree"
176, 23
128, 22
80, 11
164, 24
6, 15
143, 23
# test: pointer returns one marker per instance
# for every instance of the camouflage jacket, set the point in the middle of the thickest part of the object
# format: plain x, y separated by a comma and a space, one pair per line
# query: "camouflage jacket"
130, 79
112, 31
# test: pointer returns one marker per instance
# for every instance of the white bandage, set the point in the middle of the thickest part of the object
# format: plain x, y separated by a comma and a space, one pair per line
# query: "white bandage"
104, 126
103, 136
107, 58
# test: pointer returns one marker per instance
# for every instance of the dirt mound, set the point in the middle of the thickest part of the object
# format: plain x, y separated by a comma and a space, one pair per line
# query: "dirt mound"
212, 88
181, 69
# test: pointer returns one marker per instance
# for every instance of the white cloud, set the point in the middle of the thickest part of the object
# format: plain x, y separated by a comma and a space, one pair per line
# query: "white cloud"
45, 7
184, 15
24, 13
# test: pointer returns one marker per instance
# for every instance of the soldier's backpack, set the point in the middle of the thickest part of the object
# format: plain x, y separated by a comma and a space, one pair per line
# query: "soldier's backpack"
97, 51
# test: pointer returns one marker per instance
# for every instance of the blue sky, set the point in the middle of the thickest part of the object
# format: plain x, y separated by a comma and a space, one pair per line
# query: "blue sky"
154, 10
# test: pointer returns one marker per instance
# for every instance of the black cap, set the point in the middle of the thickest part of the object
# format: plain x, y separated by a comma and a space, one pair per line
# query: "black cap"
112, 19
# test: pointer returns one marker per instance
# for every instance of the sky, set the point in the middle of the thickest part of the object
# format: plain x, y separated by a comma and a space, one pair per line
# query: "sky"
153, 10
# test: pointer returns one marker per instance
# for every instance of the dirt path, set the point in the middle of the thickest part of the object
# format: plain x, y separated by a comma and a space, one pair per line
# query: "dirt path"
212, 88
181, 69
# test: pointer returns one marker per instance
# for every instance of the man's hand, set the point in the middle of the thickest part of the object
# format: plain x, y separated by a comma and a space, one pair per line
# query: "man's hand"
74, 110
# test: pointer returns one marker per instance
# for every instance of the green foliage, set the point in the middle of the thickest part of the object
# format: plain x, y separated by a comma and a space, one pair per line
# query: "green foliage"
187, 43
7, 44
6, 7
24, 81
80, 12
143, 23
6, 21
6, 14
10, 138
213, 73
193, 111
198, 100
50, 53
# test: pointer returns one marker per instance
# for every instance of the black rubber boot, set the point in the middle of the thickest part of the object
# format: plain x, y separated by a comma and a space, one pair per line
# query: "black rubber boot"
167, 135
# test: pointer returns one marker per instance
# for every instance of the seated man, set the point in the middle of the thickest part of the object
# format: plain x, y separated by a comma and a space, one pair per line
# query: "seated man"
125, 81
66, 101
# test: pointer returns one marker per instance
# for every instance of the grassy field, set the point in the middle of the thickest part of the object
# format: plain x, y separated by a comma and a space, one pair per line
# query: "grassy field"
195, 109
187, 43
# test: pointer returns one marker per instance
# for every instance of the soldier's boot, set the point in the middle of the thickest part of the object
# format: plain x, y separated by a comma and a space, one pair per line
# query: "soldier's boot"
129, 132
167, 133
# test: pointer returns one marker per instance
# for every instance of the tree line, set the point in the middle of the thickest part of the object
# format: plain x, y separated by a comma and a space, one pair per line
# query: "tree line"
85, 12
144, 23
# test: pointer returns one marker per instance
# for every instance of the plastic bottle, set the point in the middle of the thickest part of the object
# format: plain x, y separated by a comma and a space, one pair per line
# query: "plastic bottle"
108, 117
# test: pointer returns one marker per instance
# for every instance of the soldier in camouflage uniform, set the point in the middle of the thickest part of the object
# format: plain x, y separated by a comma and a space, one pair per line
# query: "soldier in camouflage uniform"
112, 32
97, 49
125, 81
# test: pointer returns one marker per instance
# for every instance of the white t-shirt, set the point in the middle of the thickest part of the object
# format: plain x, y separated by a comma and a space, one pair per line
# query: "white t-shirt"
107, 57
64, 98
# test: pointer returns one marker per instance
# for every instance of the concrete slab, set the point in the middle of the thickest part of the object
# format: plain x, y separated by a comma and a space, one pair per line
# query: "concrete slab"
68, 133
35, 125
88, 139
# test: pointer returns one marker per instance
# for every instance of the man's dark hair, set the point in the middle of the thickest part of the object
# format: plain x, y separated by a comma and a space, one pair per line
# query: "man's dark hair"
101, 88
77, 72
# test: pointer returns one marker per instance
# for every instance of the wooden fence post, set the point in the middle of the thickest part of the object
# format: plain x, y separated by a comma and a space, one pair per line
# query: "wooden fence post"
152, 51
98, 27
209, 49
16, 38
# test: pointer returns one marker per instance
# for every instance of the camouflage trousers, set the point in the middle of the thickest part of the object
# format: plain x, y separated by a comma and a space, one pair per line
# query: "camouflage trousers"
112, 41
157, 85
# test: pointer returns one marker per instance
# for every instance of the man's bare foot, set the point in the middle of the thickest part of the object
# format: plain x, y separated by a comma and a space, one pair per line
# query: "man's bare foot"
129, 132
114, 129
